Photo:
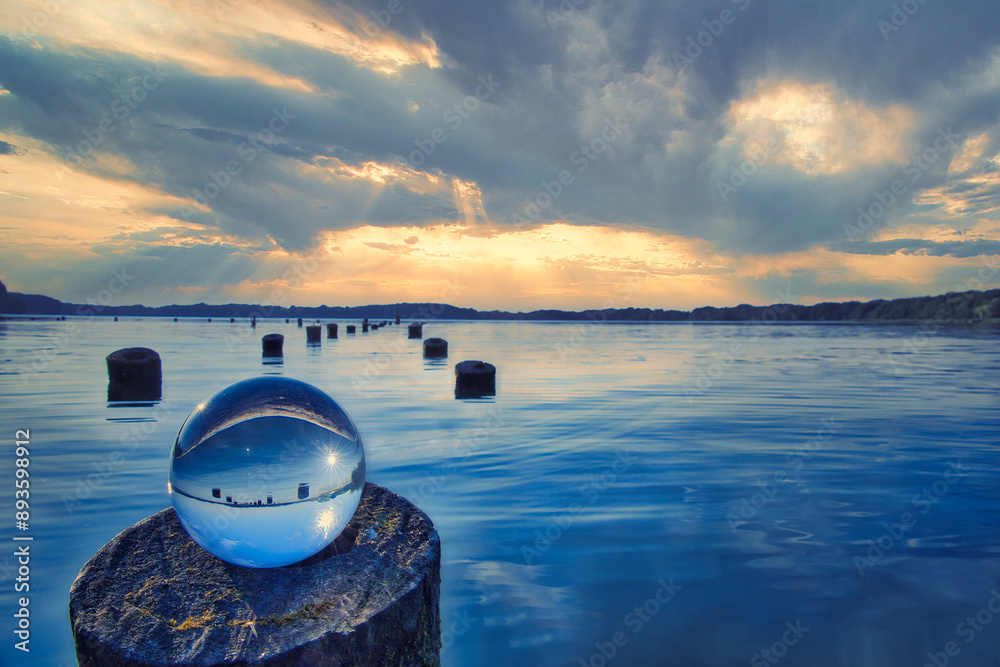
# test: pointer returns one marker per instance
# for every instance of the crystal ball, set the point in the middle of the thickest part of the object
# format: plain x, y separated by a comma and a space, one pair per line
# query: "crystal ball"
267, 472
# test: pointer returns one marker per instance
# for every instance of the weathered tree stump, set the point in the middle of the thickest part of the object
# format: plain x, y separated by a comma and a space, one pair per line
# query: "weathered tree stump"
152, 596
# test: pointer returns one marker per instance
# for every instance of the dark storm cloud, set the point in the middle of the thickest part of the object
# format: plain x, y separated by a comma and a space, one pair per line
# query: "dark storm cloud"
841, 44
560, 75
190, 128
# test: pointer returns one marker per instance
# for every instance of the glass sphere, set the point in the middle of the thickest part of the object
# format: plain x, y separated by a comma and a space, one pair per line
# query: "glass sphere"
267, 472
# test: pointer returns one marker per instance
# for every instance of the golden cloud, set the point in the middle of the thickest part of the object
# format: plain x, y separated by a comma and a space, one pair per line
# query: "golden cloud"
212, 38
815, 129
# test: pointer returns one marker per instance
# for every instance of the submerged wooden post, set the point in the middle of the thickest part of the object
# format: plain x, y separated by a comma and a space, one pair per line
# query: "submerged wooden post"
435, 348
134, 374
272, 345
152, 596
475, 379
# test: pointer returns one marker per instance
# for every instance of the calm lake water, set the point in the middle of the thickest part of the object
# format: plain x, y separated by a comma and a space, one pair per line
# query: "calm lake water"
682, 494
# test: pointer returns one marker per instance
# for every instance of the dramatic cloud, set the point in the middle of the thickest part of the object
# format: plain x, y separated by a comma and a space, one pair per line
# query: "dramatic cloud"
403, 147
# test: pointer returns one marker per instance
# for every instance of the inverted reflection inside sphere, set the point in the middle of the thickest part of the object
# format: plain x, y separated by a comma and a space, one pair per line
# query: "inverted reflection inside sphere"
267, 472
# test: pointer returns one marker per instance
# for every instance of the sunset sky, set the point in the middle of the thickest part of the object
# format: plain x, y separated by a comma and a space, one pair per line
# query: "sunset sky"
499, 155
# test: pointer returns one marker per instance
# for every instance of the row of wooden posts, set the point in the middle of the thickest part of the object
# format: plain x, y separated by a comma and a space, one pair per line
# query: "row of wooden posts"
273, 343
134, 374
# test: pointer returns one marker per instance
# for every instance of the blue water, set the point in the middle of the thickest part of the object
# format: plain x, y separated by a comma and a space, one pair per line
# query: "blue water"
684, 494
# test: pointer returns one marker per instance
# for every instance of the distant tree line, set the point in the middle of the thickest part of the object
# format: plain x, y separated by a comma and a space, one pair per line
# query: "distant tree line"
954, 306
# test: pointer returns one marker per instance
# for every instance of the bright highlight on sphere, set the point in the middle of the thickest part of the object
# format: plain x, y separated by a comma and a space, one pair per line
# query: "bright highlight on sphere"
267, 472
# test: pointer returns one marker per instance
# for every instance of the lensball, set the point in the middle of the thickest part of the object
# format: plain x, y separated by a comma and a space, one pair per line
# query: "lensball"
267, 472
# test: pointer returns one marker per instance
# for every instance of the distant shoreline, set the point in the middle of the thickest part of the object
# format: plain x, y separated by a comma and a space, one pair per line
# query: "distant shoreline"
952, 308
4, 317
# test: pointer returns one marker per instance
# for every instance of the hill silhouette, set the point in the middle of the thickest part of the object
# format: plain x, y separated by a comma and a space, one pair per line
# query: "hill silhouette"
9, 303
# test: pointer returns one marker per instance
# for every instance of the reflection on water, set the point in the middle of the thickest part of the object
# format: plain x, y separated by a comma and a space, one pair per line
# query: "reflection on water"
768, 483
132, 404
